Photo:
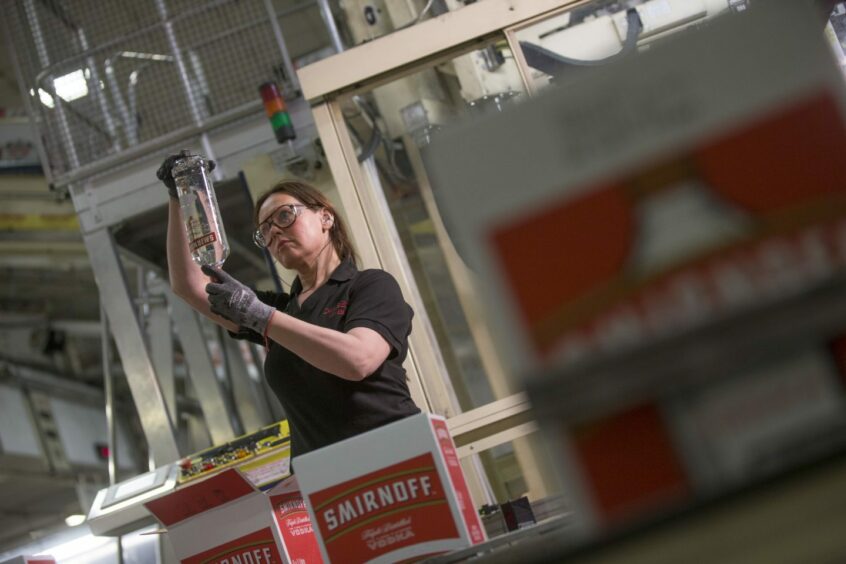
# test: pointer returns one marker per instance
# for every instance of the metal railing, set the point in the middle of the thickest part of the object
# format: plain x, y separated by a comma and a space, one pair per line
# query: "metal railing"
108, 82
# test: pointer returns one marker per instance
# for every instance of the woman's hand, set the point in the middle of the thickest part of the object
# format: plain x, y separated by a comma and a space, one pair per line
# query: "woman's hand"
234, 301
165, 172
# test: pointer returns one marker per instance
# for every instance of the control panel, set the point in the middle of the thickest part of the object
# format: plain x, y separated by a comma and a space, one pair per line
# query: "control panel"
262, 457
237, 452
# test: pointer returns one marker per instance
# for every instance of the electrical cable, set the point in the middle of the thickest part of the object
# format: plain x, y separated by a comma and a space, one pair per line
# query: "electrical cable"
554, 64
417, 19
371, 117
425, 9
371, 146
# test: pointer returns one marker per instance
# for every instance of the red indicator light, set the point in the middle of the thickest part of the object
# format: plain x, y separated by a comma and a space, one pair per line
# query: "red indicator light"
277, 112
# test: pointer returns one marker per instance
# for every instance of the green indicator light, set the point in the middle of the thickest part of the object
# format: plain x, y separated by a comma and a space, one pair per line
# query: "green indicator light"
280, 119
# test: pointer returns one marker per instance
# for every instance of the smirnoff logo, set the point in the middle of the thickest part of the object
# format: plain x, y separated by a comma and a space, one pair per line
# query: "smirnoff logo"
365, 510
258, 547
200, 242
377, 498
261, 555
293, 505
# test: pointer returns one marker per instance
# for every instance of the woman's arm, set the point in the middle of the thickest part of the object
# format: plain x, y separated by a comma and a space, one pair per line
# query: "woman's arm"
353, 355
186, 279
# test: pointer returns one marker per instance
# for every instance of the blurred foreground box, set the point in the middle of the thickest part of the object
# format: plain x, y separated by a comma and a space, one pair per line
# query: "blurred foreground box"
665, 240
657, 193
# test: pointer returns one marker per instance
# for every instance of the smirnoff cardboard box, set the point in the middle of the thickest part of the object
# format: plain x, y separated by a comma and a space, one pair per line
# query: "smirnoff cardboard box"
299, 543
697, 180
393, 494
224, 519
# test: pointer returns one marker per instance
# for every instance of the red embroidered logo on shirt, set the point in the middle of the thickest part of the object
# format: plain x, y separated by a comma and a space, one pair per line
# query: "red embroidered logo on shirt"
339, 309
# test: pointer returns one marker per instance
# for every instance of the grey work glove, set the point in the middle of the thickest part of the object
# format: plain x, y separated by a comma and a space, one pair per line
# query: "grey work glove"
236, 302
165, 172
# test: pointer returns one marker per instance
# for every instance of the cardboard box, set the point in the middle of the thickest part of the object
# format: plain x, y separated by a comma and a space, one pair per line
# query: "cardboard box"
224, 519
694, 181
299, 543
683, 214
393, 494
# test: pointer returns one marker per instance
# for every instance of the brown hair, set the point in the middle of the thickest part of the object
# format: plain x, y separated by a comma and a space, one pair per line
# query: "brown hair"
314, 199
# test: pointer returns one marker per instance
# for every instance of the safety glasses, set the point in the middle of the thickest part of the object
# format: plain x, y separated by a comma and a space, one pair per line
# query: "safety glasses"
282, 217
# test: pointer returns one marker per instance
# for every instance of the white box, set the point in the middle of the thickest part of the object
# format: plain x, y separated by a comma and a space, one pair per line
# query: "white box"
299, 542
392, 494
224, 519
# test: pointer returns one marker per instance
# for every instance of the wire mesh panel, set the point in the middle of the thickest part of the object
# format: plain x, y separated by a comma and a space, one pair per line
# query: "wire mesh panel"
103, 77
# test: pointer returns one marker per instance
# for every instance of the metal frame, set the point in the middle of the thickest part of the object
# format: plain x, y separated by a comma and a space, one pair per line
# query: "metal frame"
103, 202
254, 412
462, 278
107, 200
365, 67
160, 337
201, 370
492, 424
135, 355
471, 440
369, 222
80, 169
418, 46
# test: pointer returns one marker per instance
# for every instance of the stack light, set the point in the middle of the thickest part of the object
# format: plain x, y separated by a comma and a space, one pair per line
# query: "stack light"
277, 112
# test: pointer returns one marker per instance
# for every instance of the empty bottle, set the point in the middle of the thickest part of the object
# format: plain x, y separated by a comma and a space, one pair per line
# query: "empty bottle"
200, 212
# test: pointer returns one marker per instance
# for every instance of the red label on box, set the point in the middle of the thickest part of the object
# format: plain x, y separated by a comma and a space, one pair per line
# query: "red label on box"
256, 548
462, 493
630, 463
374, 514
763, 217
291, 515
197, 498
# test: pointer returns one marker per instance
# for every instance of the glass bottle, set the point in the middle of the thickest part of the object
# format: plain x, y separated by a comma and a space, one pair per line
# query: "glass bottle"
200, 212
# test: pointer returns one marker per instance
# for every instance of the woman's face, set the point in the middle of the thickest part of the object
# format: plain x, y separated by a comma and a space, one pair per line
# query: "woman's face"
297, 245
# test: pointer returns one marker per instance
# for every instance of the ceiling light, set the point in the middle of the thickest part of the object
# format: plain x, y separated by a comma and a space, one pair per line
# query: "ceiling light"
45, 98
71, 86
74, 520
85, 546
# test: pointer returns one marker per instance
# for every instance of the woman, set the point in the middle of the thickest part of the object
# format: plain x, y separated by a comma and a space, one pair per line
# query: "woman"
335, 343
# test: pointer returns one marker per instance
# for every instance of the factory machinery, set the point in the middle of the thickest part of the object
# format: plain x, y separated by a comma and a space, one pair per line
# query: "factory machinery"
263, 457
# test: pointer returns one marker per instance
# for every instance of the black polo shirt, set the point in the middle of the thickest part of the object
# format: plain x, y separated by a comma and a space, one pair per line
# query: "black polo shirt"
323, 408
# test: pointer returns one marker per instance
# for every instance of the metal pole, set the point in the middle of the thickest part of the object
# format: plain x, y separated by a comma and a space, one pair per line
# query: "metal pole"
201, 370
140, 32
202, 86
108, 388
44, 60
141, 288
329, 19
109, 391
140, 374
94, 89
283, 49
142, 149
128, 120
131, 96
27, 99
217, 174
180, 64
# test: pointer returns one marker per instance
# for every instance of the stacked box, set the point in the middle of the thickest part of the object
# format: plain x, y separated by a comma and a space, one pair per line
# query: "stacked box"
393, 494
